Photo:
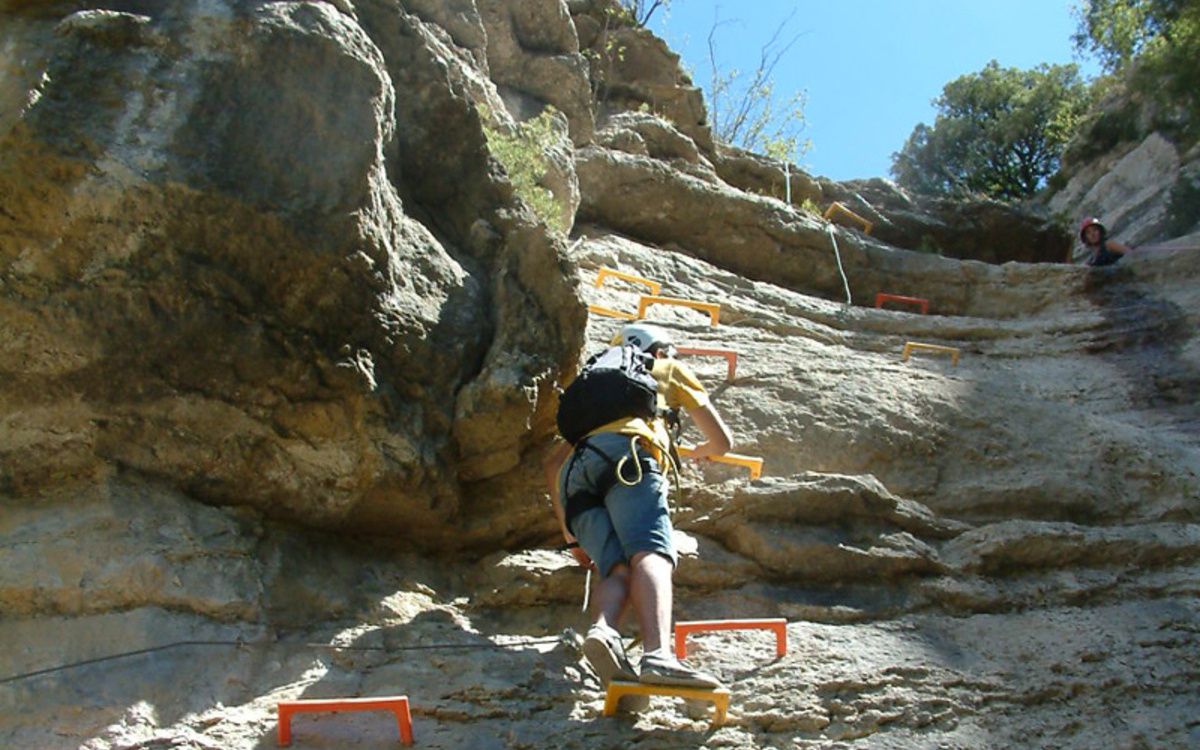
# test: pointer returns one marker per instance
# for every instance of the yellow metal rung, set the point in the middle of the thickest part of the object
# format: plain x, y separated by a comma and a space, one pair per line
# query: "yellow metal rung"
836, 209
753, 463
719, 697
909, 346
604, 273
712, 308
611, 313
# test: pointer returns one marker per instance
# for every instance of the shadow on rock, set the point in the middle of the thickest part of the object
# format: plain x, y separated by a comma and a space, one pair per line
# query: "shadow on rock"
1145, 340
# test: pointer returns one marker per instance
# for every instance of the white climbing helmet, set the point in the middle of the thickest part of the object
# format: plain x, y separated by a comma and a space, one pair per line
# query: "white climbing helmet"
645, 336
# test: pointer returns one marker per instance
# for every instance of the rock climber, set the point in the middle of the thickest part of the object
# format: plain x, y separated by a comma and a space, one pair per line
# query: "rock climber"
627, 537
1104, 252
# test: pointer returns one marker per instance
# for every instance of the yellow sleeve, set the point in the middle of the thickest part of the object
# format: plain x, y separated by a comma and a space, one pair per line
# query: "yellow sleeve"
679, 385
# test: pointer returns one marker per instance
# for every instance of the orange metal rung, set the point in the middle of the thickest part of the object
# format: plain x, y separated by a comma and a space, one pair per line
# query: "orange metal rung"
753, 463
604, 273
882, 297
712, 308
397, 705
837, 208
730, 356
909, 346
778, 624
611, 313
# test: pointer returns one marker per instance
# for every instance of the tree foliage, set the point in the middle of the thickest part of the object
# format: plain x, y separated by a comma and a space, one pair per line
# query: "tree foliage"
1117, 31
746, 111
1158, 39
1000, 132
522, 152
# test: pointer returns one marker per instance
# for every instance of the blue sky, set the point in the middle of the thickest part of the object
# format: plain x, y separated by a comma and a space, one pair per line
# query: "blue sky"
870, 67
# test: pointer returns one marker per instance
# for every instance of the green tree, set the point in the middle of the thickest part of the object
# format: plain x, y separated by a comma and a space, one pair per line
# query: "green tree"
1156, 41
1000, 132
1117, 31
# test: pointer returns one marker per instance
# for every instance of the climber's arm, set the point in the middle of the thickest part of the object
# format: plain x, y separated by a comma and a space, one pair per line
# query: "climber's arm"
550, 467
717, 437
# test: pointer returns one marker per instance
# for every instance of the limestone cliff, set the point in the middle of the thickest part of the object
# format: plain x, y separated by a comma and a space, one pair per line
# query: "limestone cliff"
1135, 165
281, 336
259, 252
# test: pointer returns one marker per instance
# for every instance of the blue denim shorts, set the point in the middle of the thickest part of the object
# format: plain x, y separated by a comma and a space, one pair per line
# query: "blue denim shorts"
633, 519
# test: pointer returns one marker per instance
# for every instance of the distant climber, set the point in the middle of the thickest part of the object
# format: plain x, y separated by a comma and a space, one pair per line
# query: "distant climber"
1104, 252
609, 491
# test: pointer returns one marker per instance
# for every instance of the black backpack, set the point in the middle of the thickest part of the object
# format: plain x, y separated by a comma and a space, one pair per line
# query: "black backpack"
613, 384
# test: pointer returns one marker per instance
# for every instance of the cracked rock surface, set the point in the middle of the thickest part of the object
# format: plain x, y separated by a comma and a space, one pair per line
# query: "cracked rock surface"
278, 366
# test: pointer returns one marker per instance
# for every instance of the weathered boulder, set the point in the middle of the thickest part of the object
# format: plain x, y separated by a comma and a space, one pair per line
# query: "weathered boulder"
534, 57
458, 19
644, 134
754, 173
247, 262
977, 229
1128, 190
631, 69
1013, 546
823, 528
1135, 165
765, 239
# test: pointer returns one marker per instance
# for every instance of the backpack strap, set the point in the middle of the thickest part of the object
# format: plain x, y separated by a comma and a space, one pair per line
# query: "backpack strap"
674, 430
584, 500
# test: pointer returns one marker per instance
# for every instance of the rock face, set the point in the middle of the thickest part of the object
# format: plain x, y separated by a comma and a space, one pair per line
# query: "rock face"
280, 346
688, 209
1136, 167
1131, 193
259, 251
978, 229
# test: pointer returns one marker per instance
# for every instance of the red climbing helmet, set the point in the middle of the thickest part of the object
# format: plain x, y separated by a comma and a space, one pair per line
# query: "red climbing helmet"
1091, 221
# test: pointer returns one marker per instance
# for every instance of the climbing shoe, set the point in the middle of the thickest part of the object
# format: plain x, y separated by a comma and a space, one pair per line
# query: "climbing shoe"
662, 668
606, 654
